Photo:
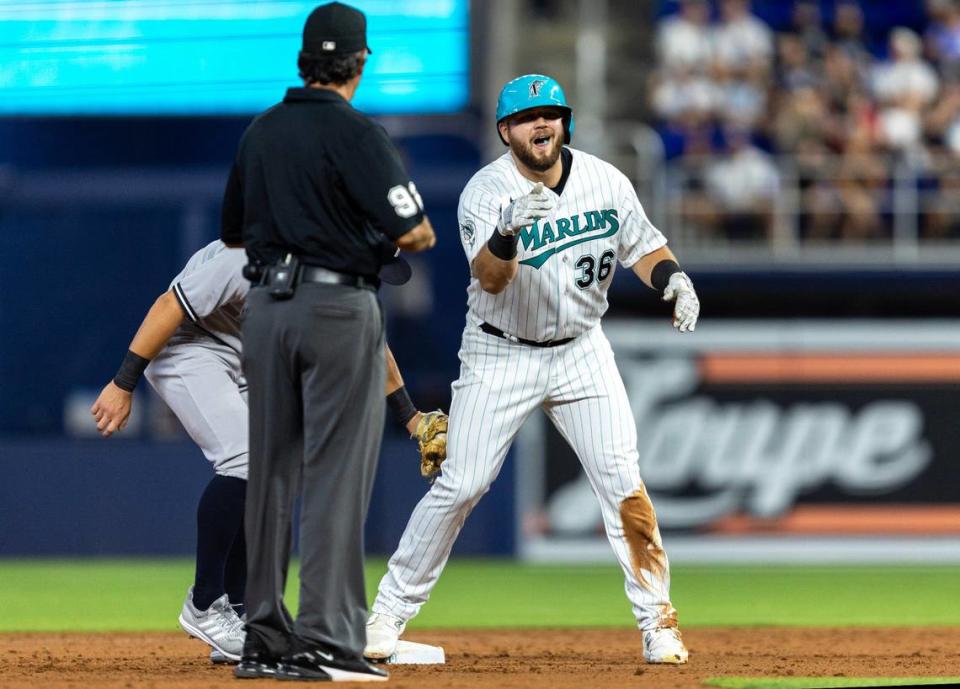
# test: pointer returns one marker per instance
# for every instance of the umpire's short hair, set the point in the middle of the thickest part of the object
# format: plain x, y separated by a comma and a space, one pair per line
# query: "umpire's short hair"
330, 69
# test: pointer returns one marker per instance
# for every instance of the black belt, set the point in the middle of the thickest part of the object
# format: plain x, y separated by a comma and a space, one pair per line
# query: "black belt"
493, 330
325, 276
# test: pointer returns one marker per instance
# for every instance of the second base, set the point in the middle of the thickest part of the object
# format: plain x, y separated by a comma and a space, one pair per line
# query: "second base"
411, 653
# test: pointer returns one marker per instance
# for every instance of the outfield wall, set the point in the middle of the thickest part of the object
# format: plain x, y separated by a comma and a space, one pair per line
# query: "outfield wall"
122, 497
767, 440
760, 441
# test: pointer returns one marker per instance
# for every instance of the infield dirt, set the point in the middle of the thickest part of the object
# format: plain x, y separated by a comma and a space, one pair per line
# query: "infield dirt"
556, 659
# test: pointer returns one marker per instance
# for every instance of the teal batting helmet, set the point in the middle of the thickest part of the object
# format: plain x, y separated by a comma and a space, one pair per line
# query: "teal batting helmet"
533, 91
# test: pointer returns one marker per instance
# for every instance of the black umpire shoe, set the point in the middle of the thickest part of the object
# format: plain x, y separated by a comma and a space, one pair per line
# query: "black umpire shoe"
320, 664
256, 667
257, 662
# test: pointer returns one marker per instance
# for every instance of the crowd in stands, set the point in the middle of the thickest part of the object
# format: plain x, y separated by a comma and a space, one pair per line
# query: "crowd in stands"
818, 105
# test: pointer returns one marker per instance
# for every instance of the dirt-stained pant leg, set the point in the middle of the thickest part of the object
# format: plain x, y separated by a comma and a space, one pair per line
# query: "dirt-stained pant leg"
589, 406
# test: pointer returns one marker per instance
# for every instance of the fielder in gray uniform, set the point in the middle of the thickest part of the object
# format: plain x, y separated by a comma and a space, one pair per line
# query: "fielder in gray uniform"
189, 349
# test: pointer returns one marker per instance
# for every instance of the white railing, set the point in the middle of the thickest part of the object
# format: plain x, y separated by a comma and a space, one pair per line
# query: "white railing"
908, 200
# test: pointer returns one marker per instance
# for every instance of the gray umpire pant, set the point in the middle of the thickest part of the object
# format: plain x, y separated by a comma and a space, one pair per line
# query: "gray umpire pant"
315, 368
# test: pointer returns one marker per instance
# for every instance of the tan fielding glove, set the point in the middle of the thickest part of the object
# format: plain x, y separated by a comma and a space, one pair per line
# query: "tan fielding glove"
431, 435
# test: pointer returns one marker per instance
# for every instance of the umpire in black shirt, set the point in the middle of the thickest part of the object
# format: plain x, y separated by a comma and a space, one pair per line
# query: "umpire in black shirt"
315, 195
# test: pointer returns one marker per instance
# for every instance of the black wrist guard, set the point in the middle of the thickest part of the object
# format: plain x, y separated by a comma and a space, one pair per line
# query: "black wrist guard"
503, 247
660, 275
130, 371
401, 405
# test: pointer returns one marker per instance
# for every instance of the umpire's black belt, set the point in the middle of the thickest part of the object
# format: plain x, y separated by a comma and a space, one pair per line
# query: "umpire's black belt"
495, 331
325, 276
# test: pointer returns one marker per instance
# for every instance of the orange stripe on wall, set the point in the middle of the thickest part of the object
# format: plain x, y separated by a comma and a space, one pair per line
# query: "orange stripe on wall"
848, 519
830, 368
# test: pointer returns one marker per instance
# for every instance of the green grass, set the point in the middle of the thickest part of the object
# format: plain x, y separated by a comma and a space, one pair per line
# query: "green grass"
107, 594
823, 682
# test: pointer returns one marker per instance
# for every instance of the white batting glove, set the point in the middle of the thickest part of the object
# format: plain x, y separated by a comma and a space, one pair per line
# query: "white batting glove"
687, 309
525, 210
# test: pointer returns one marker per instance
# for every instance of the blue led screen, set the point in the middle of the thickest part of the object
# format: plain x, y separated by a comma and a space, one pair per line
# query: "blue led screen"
181, 57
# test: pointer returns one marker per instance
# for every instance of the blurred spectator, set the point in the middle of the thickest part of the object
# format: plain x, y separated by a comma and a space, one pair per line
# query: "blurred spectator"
942, 219
743, 47
943, 36
801, 116
744, 185
795, 67
841, 78
743, 43
683, 41
685, 97
697, 209
741, 103
942, 122
904, 86
807, 27
831, 112
848, 203
848, 34
811, 163
860, 126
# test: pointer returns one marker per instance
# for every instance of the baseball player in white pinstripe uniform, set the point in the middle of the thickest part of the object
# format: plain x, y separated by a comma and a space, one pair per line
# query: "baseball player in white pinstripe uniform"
543, 227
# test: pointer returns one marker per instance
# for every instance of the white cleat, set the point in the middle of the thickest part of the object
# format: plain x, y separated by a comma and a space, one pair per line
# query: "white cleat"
383, 632
218, 626
664, 645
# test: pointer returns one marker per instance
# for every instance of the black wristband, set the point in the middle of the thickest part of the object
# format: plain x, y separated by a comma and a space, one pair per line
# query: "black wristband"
130, 371
401, 405
660, 275
503, 247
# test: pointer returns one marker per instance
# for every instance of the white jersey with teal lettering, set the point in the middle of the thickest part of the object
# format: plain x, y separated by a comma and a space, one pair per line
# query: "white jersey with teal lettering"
566, 263
568, 259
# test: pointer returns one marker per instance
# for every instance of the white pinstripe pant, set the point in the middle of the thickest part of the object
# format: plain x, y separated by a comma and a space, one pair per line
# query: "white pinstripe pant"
501, 383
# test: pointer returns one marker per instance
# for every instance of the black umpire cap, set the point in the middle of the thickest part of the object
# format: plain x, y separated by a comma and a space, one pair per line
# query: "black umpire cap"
335, 29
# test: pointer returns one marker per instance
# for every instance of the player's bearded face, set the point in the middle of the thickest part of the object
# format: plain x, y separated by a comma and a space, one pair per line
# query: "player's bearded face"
536, 137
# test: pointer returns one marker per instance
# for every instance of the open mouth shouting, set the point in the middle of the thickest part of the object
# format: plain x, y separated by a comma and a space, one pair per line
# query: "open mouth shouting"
542, 142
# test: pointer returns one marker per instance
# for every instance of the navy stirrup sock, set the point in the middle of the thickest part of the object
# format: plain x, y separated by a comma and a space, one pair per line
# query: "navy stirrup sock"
235, 575
219, 522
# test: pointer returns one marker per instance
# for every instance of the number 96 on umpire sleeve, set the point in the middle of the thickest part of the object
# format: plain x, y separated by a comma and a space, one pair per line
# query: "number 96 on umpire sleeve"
406, 200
